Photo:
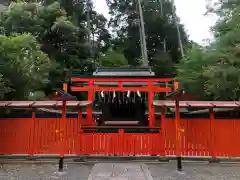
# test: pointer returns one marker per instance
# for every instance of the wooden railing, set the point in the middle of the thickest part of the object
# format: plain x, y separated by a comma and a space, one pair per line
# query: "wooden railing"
45, 136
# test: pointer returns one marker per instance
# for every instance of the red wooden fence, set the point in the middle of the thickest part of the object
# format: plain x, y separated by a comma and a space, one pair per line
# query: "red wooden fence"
41, 136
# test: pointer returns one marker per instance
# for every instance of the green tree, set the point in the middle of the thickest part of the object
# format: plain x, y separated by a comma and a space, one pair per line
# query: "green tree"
190, 72
125, 19
60, 31
113, 59
4, 87
215, 72
223, 76
24, 67
64, 42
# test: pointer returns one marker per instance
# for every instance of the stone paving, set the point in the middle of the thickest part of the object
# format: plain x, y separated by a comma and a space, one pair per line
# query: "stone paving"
120, 171
44, 172
159, 171
195, 171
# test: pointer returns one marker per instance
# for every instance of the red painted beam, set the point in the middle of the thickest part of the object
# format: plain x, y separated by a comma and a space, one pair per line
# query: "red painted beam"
112, 79
141, 89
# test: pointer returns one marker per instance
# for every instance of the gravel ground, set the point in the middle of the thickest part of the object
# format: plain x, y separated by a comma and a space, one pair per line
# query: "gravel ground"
78, 171
44, 172
194, 171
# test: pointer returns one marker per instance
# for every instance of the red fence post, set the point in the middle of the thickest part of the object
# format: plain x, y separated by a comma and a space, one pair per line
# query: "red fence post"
61, 133
80, 117
151, 112
177, 126
163, 129
90, 98
32, 145
212, 135
63, 123
79, 132
175, 85
121, 142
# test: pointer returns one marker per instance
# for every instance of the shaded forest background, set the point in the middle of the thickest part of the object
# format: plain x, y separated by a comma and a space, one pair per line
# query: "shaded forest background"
43, 41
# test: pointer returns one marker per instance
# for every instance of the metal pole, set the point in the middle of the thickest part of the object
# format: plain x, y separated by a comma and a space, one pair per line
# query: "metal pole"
60, 164
145, 58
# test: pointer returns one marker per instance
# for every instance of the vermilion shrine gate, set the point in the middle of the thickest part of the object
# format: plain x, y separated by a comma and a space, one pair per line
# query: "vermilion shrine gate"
152, 133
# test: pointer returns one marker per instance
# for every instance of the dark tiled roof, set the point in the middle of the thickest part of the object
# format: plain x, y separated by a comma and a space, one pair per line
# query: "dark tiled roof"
124, 71
206, 104
26, 104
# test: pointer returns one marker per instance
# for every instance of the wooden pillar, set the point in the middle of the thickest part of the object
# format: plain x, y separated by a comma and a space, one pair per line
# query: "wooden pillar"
79, 118
177, 126
61, 135
120, 84
65, 87
176, 85
79, 132
163, 129
121, 142
62, 127
151, 110
89, 108
33, 145
64, 109
163, 119
212, 137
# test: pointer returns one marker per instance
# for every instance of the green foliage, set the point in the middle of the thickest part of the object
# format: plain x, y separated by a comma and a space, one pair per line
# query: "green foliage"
4, 87
24, 67
162, 63
113, 59
190, 72
214, 73
58, 36
44, 41
124, 21
36, 96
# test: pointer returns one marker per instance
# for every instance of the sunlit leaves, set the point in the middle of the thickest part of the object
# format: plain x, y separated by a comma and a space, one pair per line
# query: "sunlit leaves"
25, 67
216, 73
113, 59
159, 26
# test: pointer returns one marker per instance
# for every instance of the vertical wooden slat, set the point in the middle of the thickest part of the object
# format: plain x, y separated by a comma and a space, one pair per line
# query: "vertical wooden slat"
42, 138
212, 133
